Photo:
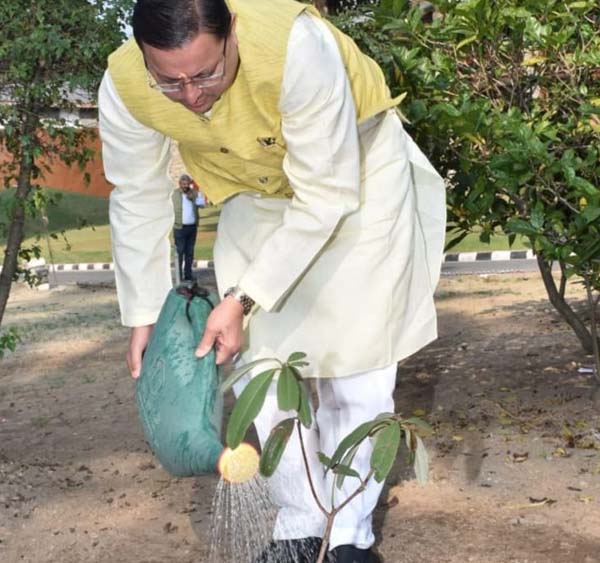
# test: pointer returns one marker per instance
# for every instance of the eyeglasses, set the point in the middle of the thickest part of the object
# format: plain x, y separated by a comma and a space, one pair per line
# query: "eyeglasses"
201, 81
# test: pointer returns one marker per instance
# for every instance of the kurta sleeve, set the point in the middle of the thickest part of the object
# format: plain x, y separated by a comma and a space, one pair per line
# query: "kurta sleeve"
322, 162
136, 160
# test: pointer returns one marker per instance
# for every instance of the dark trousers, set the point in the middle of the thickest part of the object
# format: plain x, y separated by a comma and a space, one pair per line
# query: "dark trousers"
185, 240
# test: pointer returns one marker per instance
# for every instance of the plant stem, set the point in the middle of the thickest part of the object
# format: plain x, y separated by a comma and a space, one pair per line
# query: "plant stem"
325, 542
359, 489
308, 475
593, 303
330, 515
561, 305
16, 229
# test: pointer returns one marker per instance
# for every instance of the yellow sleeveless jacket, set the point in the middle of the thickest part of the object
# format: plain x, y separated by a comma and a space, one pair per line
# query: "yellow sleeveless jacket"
240, 147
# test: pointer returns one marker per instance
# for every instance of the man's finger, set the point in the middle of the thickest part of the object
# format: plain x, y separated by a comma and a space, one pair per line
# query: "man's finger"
206, 344
134, 362
138, 340
223, 354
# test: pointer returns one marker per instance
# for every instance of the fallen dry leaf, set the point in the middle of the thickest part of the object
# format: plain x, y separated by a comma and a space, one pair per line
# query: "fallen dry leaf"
542, 501
533, 503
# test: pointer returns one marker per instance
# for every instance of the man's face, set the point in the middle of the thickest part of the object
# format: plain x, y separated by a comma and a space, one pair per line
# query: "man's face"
184, 185
201, 57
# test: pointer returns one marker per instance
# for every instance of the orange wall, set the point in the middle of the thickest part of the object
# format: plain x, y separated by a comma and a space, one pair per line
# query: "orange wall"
71, 178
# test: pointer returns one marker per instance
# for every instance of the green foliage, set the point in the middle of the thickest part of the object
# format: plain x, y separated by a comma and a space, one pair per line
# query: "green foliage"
247, 407
291, 395
288, 390
52, 56
355, 437
8, 341
275, 446
504, 97
386, 430
385, 450
240, 372
68, 210
51, 53
304, 411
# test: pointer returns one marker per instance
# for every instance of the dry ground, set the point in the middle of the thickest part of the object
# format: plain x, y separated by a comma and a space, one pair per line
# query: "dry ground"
515, 457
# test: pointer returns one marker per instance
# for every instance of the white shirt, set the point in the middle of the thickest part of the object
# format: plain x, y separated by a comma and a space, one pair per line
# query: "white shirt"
188, 211
315, 97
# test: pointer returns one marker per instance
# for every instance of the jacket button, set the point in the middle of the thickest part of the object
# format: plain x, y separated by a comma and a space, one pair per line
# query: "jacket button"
224, 150
263, 179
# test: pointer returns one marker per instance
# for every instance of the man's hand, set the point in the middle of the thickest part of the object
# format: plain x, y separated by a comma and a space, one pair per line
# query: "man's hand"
138, 340
223, 331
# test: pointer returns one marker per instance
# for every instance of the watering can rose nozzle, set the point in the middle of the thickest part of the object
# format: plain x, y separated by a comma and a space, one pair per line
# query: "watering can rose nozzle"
239, 465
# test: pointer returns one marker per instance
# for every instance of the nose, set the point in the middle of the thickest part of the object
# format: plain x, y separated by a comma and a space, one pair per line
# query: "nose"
191, 92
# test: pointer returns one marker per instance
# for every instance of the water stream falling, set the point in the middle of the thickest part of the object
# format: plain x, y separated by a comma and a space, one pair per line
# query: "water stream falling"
242, 524
242, 521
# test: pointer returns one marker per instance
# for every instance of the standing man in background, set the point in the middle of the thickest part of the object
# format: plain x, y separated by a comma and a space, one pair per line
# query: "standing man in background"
331, 233
186, 202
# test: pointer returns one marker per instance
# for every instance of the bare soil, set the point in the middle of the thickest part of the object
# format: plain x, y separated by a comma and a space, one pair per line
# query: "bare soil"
515, 456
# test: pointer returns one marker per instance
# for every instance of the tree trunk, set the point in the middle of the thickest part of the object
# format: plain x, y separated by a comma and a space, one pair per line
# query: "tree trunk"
17, 223
560, 304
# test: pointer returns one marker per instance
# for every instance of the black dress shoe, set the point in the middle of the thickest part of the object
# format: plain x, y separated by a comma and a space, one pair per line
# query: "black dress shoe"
353, 554
305, 550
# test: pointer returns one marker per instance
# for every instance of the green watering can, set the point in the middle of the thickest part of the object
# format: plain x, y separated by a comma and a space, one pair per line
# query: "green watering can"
177, 394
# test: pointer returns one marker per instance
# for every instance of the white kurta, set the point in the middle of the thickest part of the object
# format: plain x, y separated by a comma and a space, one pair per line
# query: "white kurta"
344, 271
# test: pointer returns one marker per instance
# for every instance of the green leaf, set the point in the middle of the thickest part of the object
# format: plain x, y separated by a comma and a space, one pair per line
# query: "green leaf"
346, 471
421, 462
275, 446
579, 5
537, 218
355, 437
295, 356
417, 422
521, 227
247, 407
304, 411
466, 41
347, 461
238, 373
385, 450
325, 460
288, 390
585, 186
590, 213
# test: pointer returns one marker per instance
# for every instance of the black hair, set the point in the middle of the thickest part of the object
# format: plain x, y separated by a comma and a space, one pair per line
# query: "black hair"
170, 24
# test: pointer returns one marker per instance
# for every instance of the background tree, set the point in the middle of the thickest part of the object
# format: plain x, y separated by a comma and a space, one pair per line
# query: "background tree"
49, 52
504, 97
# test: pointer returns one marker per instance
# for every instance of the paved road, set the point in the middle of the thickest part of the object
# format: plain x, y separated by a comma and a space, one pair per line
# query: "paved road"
448, 269
488, 267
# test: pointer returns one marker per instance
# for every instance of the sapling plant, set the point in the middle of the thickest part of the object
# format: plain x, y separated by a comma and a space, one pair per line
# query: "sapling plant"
386, 431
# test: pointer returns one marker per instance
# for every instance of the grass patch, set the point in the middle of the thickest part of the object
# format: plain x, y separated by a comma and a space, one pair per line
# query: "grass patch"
471, 243
71, 211
92, 243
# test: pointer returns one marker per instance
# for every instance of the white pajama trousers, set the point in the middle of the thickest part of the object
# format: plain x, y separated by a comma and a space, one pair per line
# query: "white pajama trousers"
344, 403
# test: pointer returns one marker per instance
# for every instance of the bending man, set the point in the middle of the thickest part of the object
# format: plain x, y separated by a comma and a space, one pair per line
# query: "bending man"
331, 233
